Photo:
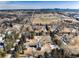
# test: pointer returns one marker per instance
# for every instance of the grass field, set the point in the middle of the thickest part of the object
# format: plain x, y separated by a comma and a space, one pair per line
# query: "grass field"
45, 20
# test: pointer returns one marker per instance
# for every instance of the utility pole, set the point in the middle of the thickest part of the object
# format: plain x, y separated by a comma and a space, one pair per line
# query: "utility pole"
32, 17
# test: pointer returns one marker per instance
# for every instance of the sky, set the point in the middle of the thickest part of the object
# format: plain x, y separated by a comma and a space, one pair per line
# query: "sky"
39, 4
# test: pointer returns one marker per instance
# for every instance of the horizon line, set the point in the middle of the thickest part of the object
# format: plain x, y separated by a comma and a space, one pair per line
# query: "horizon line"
41, 8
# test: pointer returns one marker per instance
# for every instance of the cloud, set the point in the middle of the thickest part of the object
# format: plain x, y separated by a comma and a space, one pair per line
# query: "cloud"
10, 5
3, 2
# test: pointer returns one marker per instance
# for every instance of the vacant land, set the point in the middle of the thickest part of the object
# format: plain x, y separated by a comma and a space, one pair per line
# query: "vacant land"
38, 35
